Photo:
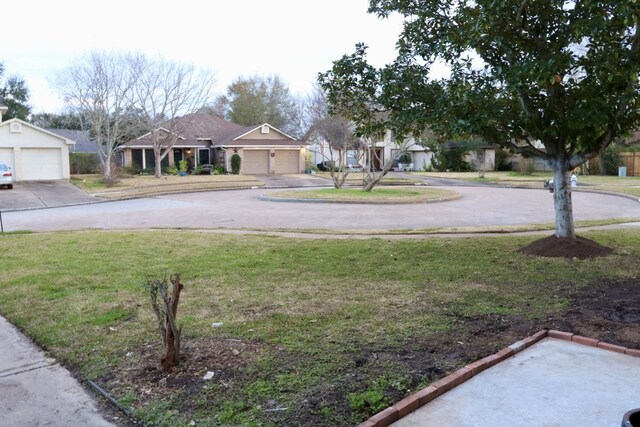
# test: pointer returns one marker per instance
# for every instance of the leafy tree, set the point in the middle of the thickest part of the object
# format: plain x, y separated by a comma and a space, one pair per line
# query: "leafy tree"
256, 100
555, 79
57, 120
14, 94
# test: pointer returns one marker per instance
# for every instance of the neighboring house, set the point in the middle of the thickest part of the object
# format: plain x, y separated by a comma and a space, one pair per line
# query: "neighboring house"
483, 157
32, 152
208, 139
84, 144
386, 149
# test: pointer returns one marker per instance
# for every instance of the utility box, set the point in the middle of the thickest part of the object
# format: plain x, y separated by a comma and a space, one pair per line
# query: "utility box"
622, 171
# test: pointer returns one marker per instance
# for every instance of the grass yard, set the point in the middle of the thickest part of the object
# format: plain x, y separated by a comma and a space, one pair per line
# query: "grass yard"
145, 185
627, 185
356, 179
314, 332
377, 195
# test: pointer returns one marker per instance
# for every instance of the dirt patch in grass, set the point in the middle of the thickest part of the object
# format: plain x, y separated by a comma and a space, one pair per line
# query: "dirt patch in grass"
608, 312
556, 247
140, 370
374, 375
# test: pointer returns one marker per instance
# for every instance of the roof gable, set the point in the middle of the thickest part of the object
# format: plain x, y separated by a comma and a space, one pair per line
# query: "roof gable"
9, 122
251, 129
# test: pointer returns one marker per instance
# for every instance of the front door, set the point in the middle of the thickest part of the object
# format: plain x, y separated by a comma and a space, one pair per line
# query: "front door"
177, 156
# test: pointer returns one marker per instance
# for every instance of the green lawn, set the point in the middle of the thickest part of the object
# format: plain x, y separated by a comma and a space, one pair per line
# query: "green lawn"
333, 322
627, 185
377, 195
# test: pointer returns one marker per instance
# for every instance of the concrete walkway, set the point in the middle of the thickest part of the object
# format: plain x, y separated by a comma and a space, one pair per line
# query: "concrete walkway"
36, 391
552, 383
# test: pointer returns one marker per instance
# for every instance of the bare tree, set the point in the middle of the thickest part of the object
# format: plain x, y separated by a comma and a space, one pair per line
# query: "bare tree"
165, 92
334, 136
97, 88
375, 167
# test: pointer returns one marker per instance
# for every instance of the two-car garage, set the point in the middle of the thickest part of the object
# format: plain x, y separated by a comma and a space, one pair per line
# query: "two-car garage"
263, 162
33, 154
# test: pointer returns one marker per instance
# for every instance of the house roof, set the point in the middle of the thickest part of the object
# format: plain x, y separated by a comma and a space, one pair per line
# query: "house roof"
203, 130
84, 144
262, 142
37, 128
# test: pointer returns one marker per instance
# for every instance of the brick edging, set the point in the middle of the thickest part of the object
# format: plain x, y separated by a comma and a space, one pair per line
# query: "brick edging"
437, 388
567, 336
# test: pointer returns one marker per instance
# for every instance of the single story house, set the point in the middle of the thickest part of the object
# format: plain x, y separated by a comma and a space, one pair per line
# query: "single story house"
33, 153
202, 139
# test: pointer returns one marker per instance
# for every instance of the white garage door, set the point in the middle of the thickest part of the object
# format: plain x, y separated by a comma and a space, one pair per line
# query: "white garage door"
41, 163
255, 162
6, 157
287, 161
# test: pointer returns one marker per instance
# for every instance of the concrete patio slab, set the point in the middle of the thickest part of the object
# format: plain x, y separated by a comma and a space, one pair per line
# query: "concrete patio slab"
554, 382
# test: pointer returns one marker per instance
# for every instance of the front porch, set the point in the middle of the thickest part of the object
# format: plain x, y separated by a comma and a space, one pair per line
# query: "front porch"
144, 159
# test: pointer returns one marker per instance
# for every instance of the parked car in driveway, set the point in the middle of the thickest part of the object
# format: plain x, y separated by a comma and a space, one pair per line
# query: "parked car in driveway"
6, 176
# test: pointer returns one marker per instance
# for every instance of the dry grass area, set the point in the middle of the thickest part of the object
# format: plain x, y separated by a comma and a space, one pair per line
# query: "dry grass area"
145, 185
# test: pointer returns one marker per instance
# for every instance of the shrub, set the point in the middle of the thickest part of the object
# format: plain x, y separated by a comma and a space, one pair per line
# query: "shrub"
450, 159
405, 158
83, 163
502, 160
611, 160
236, 162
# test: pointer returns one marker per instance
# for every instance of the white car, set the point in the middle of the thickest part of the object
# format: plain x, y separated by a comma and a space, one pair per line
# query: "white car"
6, 176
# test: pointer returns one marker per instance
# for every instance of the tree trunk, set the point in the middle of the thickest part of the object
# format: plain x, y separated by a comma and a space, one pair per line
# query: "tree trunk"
158, 158
562, 200
106, 173
601, 164
172, 352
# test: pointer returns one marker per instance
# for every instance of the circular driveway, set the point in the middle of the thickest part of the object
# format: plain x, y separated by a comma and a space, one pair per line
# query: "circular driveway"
241, 209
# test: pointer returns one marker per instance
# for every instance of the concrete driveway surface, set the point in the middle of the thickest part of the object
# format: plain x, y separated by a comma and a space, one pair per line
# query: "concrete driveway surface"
479, 206
42, 194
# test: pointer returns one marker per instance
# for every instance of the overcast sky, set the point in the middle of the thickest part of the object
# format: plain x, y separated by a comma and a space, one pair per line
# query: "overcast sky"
295, 39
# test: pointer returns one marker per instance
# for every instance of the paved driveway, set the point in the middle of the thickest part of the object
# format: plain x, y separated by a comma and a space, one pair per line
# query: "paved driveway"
479, 206
42, 194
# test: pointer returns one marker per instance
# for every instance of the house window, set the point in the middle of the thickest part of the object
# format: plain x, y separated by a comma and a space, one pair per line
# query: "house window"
204, 156
136, 159
149, 159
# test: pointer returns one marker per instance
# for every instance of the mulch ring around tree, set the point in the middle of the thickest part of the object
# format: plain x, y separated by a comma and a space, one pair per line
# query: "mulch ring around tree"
557, 247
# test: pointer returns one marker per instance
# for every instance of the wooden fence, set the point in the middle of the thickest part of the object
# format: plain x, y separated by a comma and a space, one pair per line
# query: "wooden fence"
632, 162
